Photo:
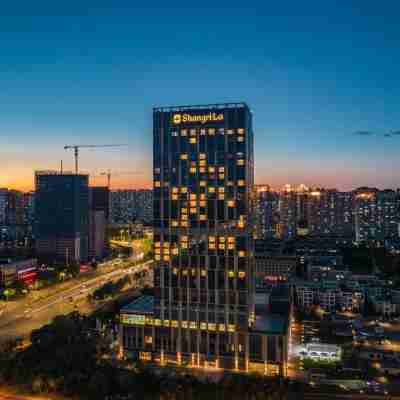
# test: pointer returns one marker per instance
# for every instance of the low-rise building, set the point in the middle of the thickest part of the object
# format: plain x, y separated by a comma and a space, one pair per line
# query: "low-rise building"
274, 267
142, 337
23, 271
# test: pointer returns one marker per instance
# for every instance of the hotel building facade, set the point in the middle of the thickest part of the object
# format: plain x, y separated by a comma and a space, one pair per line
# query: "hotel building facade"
203, 313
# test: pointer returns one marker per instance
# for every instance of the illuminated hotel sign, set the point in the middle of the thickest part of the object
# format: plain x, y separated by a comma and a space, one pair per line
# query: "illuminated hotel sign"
185, 118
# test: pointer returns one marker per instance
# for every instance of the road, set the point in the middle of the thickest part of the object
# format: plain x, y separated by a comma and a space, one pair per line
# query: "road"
20, 318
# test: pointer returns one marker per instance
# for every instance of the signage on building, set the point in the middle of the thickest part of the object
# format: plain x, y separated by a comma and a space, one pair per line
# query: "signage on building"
184, 118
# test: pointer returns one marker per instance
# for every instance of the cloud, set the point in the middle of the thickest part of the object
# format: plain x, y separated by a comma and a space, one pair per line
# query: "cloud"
363, 133
387, 135
396, 133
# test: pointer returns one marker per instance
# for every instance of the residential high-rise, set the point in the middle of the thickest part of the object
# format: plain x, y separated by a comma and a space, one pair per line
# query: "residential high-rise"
129, 206
376, 215
62, 220
203, 311
266, 212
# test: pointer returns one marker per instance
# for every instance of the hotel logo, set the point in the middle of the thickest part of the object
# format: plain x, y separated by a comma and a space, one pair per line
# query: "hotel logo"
202, 118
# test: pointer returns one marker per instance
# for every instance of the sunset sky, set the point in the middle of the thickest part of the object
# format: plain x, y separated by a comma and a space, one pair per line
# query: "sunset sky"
322, 79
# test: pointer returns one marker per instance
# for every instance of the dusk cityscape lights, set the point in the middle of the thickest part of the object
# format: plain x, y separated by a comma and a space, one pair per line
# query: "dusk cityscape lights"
199, 201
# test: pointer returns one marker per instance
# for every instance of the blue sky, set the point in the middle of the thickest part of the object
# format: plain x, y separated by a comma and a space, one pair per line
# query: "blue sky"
313, 73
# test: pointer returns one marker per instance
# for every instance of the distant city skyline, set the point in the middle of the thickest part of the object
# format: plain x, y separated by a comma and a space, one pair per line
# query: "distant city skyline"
321, 79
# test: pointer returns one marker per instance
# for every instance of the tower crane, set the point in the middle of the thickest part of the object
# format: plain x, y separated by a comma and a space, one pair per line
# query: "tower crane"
108, 175
77, 147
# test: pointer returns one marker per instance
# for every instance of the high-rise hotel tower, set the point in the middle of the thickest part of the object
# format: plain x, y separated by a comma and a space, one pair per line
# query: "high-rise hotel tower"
202, 313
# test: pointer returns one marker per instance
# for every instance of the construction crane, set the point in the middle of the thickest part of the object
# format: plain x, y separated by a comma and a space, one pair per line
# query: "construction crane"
108, 175
77, 147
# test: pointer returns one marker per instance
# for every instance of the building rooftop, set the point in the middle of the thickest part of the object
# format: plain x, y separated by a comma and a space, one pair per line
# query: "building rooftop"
201, 107
271, 323
142, 305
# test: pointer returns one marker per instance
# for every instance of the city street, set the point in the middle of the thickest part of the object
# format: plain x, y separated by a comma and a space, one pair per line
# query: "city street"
21, 317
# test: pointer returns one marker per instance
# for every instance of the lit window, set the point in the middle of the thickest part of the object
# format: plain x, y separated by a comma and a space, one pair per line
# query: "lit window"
231, 246
203, 272
202, 163
202, 156
193, 325
221, 189
211, 131
184, 224
175, 190
193, 132
174, 133
221, 196
158, 251
183, 210
203, 183
221, 246
157, 244
166, 322
241, 131
231, 328
166, 258
211, 238
183, 190
174, 197
174, 324
231, 239
231, 274
211, 169
240, 139
211, 327
211, 246
157, 184
184, 324
193, 203
184, 272
241, 182
202, 131
193, 170
175, 251
148, 339
221, 327
184, 156
242, 274
174, 223
192, 140
203, 217
211, 189
183, 132
203, 326
158, 258
230, 131
202, 196
231, 203
193, 211
221, 176
240, 162
202, 170
202, 203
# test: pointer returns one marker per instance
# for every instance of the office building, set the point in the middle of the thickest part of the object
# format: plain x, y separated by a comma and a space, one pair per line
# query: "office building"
203, 312
99, 200
62, 216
